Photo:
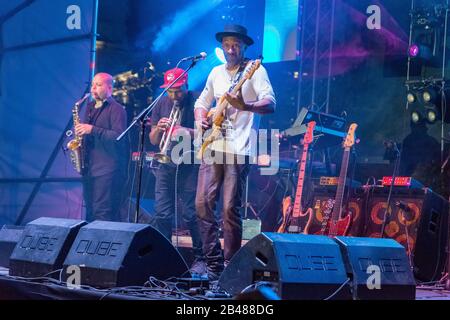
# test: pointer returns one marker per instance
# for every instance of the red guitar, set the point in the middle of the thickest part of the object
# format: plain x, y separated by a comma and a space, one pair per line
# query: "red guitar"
293, 217
339, 226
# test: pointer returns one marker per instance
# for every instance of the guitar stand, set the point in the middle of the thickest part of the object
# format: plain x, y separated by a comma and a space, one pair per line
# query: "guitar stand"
247, 204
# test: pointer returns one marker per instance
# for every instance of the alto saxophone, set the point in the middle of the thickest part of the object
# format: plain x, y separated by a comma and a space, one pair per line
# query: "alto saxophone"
75, 145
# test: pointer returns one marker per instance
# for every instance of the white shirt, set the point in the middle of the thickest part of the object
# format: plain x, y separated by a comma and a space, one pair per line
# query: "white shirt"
240, 139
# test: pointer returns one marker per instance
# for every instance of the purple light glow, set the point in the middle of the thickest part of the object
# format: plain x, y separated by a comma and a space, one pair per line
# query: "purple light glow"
413, 50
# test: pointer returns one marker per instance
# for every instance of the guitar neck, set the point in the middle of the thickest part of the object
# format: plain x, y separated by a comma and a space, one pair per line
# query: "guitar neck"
239, 85
222, 104
337, 208
297, 210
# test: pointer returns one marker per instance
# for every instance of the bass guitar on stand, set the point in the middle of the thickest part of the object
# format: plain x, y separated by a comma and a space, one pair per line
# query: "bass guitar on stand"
339, 225
294, 220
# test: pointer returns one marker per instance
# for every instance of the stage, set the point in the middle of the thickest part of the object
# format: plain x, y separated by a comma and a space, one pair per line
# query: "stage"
12, 288
338, 106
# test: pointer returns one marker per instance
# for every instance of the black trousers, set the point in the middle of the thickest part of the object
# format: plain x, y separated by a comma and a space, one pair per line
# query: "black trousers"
213, 177
165, 201
103, 196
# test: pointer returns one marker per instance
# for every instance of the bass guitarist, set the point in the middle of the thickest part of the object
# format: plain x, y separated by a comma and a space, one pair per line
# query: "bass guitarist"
240, 117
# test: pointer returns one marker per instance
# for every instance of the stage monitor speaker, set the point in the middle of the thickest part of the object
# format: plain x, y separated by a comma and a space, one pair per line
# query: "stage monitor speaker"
421, 229
297, 266
116, 254
9, 236
43, 246
379, 267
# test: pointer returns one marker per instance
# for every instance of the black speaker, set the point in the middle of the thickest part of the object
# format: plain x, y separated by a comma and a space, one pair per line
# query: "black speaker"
421, 229
9, 236
43, 246
116, 254
298, 267
379, 268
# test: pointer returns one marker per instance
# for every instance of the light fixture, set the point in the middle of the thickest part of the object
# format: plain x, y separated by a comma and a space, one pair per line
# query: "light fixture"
415, 117
425, 103
413, 50
431, 115
429, 94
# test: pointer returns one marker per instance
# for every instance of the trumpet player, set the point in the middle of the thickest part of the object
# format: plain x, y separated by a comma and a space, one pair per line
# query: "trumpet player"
166, 118
104, 157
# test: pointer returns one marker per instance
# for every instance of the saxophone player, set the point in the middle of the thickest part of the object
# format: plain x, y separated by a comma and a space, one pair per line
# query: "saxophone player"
104, 157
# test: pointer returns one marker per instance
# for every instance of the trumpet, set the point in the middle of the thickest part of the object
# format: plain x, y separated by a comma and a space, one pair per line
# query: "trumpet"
164, 144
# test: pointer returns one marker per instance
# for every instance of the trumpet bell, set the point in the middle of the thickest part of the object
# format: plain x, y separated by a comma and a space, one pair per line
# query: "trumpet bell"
161, 158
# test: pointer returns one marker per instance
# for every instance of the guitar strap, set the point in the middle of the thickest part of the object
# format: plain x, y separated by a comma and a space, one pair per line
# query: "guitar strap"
235, 81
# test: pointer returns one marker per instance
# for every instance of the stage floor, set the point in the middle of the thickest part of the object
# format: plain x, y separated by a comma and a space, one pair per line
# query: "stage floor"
38, 289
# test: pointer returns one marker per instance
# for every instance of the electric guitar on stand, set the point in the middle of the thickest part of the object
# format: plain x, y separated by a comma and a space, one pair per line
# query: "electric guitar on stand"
338, 225
294, 220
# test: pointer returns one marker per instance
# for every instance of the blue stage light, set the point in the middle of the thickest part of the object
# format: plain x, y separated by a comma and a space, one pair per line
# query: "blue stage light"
220, 55
181, 22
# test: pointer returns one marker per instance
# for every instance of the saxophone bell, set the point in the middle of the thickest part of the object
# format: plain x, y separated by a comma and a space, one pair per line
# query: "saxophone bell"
73, 144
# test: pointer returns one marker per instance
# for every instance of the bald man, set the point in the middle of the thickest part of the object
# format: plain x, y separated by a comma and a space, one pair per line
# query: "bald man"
105, 158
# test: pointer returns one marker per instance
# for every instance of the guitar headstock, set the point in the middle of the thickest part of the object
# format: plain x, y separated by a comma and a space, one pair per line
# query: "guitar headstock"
253, 67
350, 138
309, 134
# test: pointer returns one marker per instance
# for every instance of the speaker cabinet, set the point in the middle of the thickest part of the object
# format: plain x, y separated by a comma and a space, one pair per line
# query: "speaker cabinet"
9, 236
116, 254
379, 269
421, 229
312, 267
354, 205
43, 246
298, 266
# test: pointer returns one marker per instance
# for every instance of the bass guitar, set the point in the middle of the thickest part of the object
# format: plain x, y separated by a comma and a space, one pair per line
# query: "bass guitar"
339, 225
294, 219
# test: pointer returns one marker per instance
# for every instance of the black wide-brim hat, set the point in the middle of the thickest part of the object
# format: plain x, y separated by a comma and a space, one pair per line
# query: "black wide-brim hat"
235, 30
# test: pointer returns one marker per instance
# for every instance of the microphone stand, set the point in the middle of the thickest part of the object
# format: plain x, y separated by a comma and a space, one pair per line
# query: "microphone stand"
388, 201
141, 118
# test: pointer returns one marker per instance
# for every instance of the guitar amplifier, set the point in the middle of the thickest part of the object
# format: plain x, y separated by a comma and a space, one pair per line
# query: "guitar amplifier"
421, 227
355, 204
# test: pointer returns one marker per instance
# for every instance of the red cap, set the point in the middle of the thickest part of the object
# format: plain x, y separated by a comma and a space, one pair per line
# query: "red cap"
171, 75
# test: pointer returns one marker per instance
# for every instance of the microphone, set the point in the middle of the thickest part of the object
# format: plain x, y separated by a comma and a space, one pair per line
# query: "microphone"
391, 151
403, 206
390, 144
201, 56
87, 95
408, 213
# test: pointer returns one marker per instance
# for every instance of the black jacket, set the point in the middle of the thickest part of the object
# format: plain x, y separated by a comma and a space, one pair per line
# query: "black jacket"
103, 154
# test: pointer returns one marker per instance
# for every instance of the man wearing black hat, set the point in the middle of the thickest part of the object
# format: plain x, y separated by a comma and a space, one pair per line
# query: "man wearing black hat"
242, 117
176, 180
